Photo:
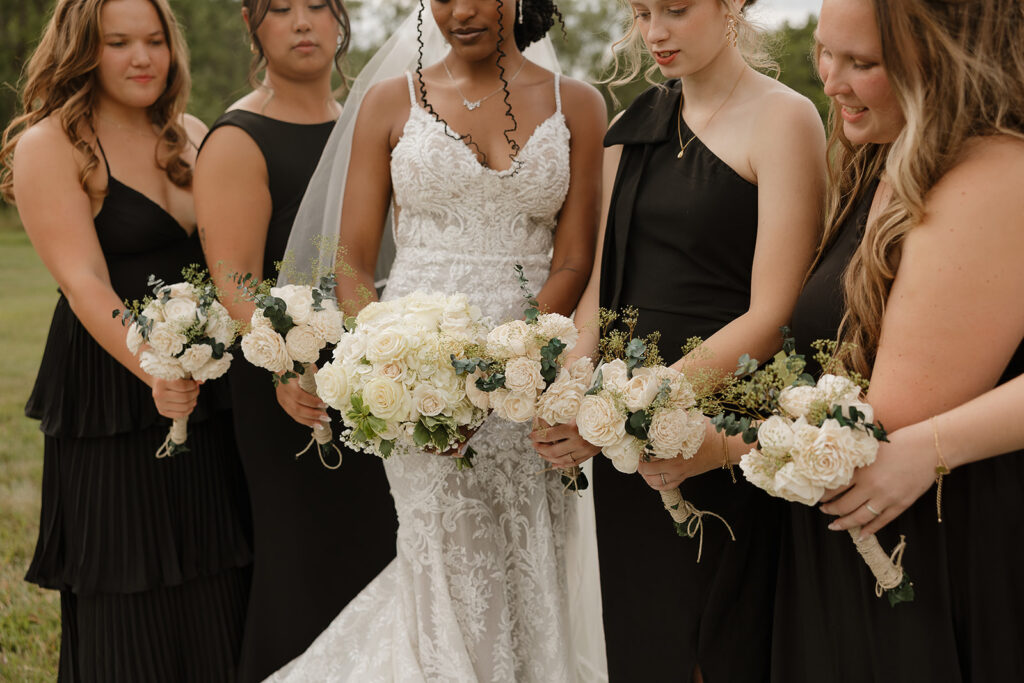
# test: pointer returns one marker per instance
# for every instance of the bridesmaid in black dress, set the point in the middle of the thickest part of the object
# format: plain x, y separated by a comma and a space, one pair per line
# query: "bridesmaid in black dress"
150, 555
320, 536
921, 269
712, 218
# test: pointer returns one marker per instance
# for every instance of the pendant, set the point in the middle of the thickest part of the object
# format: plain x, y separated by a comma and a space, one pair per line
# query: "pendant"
471, 105
680, 155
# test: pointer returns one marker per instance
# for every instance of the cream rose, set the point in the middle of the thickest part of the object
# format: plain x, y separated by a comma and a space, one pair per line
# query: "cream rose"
259, 320
520, 407
640, 390
582, 370
599, 422
332, 386
303, 345
154, 311
179, 290
497, 400
220, 326
428, 400
796, 401
266, 349
614, 375
298, 299
557, 326
351, 348
394, 370
386, 345
828, 460
625, 454
791, 484
561, 402
161, 367
386, 399
667, 432
522, 376
838, 390
134, 338
481, 399
165, 341
181, 312
775, 436
195, 357
758, 470
326, 325
214, 368
509, 340
864, 448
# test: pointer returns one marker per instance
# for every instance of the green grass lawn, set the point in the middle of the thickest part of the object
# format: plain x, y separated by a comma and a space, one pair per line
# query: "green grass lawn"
29, 616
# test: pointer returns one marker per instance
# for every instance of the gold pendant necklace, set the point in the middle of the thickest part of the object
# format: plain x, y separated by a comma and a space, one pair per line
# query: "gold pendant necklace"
679, 119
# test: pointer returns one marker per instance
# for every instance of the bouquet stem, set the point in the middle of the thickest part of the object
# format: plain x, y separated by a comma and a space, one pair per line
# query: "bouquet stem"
689, 520
174, 444
322, 436
574, 480
888, 571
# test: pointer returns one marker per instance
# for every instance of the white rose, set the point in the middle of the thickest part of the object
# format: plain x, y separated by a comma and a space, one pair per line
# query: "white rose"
161, 367
614, 375
838, 390
796, 401
557, 326
599, 422
759, 470
298, 299
625, 454
386, 399
165, 340
428, 400
582, 370
775, 436
265, 348
561, 402
214, 368
640, 390
509, 340
134, 338
154, 311
387, 345
195, 357
259, 320
427, 357
220, 326
326, 325
668, 429
497, 399
351, 348
865, 448
791, 484
394, 370
332, 386
522, 376
181, 312
181, 289
303, 345
480, 399
828, 460
519, 407
864, 408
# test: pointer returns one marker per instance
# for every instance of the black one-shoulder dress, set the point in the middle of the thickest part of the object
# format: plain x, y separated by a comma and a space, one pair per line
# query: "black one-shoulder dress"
965, 623
150, 555
679, 246
320, 535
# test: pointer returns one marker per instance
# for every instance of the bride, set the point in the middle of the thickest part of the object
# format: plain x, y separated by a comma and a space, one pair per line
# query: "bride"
487, 160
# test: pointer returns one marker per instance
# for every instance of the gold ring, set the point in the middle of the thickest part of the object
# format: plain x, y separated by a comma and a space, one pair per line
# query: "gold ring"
663, 482
871, 509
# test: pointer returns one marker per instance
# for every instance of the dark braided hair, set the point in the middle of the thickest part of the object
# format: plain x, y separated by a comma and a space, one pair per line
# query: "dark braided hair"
538, 18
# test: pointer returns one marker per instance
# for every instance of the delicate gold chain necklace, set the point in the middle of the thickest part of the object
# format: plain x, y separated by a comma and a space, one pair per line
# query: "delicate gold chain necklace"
679, 119
475, 104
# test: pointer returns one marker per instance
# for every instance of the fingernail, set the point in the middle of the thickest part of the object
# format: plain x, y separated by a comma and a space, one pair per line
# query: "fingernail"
834, 526
826, 509
325, 419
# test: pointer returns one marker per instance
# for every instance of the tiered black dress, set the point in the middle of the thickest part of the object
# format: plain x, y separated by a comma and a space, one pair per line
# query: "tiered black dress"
679, 246
965, 624
320, 535
151, 556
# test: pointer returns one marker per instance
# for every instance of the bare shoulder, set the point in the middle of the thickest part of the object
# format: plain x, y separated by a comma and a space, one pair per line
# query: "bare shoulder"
194, 128
391, 94
780, 108
46, 137
582, 100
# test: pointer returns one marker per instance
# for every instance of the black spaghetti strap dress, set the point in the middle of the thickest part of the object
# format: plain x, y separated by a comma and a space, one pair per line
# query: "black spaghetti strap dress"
679, 246
150, 555
965, 623
320, 535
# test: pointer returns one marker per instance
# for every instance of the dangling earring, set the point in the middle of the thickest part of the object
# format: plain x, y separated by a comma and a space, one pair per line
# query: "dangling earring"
521, 3
732, 31
252, 46
339, 41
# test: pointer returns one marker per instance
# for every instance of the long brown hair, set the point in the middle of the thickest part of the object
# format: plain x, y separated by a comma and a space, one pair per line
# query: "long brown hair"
60, 79
257, 11
956, 68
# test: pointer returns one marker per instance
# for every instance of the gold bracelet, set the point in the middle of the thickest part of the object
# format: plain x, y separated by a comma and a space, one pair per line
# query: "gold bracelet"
941, 470
726, 465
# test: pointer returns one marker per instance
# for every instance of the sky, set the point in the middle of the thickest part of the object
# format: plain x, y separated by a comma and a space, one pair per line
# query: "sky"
774, 12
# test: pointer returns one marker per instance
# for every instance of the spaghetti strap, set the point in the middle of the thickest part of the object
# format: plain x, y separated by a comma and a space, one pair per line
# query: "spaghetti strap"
104, 155
558, 94
412, 91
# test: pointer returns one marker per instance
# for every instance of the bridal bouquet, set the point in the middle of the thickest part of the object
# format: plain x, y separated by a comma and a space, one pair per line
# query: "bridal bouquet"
814, 437
186, 333
289, 328
638, 409
519, 372
393, 380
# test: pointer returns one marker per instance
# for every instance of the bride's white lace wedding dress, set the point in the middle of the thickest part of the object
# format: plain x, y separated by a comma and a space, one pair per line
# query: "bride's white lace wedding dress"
478, 591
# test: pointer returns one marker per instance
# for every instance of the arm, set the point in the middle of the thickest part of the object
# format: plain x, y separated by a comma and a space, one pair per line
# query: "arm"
959, 281
571, 260
57, 214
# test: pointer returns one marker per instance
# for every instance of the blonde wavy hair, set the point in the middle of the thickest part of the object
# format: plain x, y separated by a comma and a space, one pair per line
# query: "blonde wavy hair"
60, 79
956, 68
631, 57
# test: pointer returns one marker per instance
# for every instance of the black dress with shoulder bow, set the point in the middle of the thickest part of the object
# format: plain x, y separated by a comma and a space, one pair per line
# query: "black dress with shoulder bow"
679, 246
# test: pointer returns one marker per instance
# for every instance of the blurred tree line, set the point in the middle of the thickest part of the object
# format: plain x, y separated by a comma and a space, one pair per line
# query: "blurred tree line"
220, 55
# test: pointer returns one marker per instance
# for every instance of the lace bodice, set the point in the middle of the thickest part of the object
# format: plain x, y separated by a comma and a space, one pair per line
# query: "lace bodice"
450, 204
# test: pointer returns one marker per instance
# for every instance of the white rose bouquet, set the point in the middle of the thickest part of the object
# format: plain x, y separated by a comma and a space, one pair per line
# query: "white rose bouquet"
289, 328
393, 380
519, 372
181, 332
809, 437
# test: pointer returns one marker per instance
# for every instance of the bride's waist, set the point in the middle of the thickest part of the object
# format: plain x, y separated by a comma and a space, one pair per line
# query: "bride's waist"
482, 260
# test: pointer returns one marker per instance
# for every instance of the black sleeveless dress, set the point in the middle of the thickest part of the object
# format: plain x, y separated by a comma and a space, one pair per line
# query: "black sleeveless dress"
151, 556
320, 535
965, 624
679, 246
